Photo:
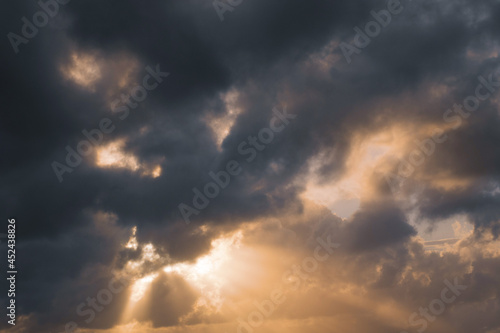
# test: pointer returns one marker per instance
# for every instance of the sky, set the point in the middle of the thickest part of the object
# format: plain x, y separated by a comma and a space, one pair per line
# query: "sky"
189, 166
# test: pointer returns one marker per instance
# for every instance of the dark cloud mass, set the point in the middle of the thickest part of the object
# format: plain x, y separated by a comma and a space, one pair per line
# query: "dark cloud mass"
356, 158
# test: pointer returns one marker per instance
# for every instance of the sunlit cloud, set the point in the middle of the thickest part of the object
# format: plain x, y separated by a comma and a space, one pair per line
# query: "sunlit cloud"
132, 242
83, 69
115, 74
221, 124
208, 274
354, 183
148, 254
113, 155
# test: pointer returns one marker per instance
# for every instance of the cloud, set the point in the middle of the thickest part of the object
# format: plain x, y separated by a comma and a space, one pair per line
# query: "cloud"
355, 124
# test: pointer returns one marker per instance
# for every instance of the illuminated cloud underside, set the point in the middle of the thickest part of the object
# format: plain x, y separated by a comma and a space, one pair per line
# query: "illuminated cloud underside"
113, 156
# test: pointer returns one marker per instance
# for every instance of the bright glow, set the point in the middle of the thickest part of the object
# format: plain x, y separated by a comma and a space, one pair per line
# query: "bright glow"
149, 253
206, 273
132, 242
209, 263
211, 275
141, 286
156, 172
114, 156
134, 269
83, 70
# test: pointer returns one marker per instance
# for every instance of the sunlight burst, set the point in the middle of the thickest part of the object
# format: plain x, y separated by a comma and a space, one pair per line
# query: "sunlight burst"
207, 272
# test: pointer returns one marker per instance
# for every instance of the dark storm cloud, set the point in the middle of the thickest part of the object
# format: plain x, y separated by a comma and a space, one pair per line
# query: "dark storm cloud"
105, 34
470, 153
378, 224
